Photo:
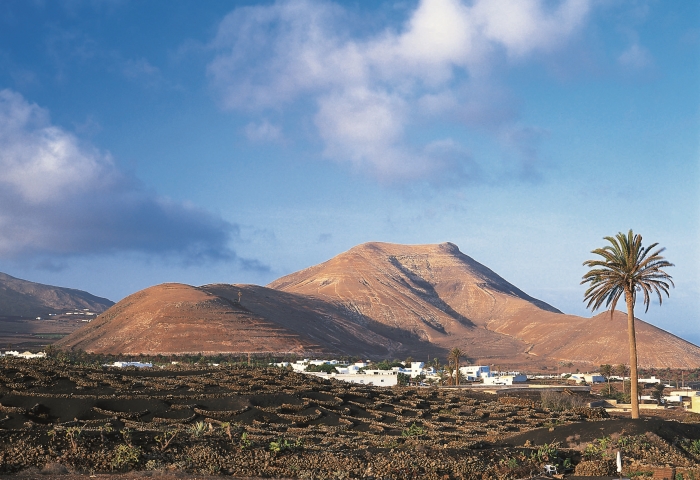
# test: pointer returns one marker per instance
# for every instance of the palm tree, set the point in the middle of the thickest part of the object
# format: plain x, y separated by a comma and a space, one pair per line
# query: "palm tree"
453, 360
606, 370
626, 268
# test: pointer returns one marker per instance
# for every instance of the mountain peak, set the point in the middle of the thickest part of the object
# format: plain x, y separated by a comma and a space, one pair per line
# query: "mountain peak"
377, 300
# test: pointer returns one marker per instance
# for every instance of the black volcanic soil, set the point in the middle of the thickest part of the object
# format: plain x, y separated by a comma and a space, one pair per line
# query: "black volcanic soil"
21, 333
269, 422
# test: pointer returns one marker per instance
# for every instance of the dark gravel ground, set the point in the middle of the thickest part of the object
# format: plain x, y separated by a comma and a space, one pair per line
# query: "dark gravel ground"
66, 421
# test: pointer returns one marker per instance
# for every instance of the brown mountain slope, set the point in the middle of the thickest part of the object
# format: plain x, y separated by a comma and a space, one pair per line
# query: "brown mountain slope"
597, 340
377, 300
21, 298
326, 324
448, 299
176, 318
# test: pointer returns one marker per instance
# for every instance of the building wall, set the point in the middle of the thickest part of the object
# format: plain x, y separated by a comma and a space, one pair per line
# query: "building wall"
695, 404
379, 380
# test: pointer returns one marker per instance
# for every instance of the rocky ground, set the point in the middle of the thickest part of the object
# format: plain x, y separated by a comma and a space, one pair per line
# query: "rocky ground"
269, 422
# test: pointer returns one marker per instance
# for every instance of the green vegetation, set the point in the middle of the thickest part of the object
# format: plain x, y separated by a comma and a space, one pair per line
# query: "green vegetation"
125, 457
199, 429
325, 368
606, 447
73, 435
547, 453
453, 365
387, 365
657, 393
165, 439
246, 443
282, 445
403, 379
413, 431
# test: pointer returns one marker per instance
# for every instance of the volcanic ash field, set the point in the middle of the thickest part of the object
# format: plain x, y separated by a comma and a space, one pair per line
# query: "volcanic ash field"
269, 422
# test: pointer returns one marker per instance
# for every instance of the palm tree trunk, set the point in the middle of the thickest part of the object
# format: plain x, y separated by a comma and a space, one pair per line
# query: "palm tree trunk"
634, 383
457, 371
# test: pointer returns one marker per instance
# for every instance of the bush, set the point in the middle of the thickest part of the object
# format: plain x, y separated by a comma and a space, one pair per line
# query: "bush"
413, 431
282, 445
325, 368
125, 457
558, 402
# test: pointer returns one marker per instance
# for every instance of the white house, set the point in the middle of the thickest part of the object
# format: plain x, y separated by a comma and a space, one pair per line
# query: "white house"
300, 365
475, 372
587, 377
651, 379
14, 353
380, 378
129, 364
505, 379
349, 370
415, 370
322, 362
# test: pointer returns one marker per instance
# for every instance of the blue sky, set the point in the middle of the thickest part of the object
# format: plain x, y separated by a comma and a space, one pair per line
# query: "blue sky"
201, 142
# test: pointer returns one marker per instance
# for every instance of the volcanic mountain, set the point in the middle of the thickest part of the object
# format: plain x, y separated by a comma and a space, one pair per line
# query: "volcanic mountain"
377, 300
21, 298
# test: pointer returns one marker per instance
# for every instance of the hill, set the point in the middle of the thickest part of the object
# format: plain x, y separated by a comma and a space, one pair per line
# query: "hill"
377, 300
21, 298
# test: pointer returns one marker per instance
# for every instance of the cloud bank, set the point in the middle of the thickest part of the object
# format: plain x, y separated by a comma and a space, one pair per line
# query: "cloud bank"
59, 196
373, 97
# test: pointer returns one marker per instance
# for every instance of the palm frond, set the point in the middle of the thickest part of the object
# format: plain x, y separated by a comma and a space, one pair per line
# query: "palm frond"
626, 267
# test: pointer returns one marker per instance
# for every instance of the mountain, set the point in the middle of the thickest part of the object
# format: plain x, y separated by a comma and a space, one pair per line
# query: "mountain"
377, 300
21, 298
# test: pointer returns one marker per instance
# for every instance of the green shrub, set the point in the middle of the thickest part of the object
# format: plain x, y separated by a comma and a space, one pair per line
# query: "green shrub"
125, 457
282, 445
198, 429
694, 447
413, 431
547, 452
325, 368
245, 441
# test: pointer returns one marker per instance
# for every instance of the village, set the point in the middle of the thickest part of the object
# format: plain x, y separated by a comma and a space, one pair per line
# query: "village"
482, 378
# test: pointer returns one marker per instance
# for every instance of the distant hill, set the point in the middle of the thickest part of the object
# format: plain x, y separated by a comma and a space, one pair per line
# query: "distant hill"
21, 298
377, 300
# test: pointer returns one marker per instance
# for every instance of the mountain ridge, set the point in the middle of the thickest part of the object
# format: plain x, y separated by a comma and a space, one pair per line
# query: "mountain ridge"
384, 300
22, 298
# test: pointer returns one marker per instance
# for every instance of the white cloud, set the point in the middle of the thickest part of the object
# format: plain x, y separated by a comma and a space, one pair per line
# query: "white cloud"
262, 132
371, 93
39, 161
61, 196
635, 56
524, 26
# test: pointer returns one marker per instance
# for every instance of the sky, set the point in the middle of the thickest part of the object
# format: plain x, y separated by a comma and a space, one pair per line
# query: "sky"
144, 142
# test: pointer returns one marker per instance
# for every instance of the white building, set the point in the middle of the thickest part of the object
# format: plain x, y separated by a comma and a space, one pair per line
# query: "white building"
14, 353
505, 379
379, 378
300, 366
474, 373
587, 377
349, 370
415, 369
129, 364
